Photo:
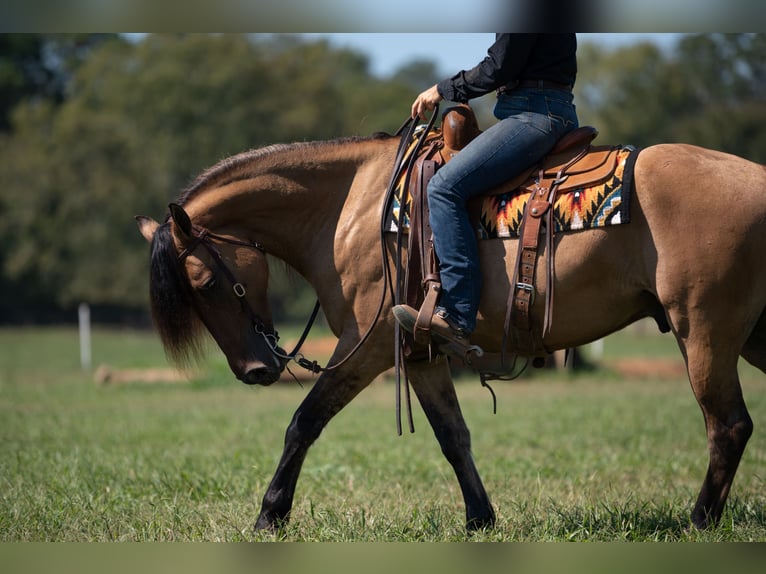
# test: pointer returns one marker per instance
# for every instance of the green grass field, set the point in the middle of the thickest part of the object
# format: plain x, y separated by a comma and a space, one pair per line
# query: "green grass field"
593, 456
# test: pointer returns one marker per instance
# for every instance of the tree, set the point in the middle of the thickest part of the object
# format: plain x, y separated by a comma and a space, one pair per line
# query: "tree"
725, 89
709, 92
34, 66
98, 129
626, 93
138, 122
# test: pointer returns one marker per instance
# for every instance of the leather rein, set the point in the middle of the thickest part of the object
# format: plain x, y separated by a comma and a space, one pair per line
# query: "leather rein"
205, 237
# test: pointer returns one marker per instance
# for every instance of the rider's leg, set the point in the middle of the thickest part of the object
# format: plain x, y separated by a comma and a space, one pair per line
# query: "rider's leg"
533, 122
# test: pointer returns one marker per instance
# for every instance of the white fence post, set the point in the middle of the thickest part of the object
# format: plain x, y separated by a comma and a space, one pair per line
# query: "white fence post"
597, 348
83, 312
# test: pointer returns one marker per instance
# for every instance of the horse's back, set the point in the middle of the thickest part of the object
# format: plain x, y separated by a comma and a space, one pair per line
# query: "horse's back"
692, 196
696, 236
689, 175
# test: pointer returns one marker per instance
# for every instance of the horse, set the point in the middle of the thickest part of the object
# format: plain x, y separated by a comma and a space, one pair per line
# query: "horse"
691, 255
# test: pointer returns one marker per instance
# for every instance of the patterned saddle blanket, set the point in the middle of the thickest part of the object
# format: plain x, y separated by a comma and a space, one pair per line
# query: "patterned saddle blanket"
588, 207
499, 215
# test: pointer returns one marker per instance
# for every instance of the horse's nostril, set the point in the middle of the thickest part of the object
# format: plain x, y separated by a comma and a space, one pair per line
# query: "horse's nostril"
261, 376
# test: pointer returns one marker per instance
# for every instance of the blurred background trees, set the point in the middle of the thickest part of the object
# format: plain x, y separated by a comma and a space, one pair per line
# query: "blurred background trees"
97, 128
710, 91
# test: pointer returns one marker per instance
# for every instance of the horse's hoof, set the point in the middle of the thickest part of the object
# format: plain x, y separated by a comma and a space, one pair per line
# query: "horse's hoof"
480, 523
267, 524
702, 521
262, 526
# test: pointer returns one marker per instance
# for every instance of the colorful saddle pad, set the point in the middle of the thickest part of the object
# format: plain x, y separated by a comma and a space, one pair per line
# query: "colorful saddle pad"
604, 204
601, 205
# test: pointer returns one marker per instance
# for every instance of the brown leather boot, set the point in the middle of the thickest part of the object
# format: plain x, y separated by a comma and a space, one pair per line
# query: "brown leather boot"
449, 338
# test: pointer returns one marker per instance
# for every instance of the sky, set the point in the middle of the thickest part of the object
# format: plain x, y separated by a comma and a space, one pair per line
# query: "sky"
452, 52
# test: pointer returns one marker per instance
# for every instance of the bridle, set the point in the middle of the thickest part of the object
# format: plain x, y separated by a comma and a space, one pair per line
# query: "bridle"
205, 237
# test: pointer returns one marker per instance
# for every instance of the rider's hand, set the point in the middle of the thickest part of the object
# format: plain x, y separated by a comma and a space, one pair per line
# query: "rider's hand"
425, 101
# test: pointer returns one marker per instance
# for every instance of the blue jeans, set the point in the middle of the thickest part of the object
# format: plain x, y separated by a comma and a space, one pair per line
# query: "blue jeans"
531, 122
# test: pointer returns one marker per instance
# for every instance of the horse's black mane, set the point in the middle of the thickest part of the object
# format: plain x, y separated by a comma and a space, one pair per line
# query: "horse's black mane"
171, 301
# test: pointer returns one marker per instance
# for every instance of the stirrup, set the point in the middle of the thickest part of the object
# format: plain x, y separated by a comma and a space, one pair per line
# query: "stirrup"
407, 321
454, 348
421, 332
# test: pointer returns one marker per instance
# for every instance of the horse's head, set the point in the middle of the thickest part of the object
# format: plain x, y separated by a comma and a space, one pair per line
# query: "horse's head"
217, 281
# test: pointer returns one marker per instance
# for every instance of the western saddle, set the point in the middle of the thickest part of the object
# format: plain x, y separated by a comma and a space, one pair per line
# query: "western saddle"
573, 163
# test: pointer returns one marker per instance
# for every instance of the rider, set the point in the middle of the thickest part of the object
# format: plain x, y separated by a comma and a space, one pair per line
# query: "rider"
533, 75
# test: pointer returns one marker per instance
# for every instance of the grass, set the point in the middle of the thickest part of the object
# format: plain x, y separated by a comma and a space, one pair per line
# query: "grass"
594, 457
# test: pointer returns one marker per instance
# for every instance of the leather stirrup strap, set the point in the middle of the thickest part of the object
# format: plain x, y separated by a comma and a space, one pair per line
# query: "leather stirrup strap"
523, 288
419, 244
423, 253
422, 330
521, 297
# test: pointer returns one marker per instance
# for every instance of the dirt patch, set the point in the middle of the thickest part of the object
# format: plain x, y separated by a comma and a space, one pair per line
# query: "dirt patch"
316, 349
105, 375
319, 348
649, 368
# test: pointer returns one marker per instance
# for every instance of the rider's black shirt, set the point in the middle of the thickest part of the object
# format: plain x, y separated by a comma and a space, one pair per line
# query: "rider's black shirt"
514, 58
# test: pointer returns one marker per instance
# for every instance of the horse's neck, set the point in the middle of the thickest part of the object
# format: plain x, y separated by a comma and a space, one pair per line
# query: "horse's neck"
300, 204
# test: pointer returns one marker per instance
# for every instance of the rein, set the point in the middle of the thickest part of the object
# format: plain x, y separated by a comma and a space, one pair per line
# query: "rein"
205, 237
402, 165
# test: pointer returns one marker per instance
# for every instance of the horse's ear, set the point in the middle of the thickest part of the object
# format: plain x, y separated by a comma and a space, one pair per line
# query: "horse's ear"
181, 219
147, 226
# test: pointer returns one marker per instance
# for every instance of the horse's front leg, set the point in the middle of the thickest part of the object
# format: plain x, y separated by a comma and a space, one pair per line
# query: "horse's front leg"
435, 390
332, 391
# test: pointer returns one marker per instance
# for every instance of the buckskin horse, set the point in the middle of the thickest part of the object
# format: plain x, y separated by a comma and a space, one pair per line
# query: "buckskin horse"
691, 256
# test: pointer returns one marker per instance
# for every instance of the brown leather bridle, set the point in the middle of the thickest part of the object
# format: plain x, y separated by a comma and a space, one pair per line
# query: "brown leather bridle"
205, 238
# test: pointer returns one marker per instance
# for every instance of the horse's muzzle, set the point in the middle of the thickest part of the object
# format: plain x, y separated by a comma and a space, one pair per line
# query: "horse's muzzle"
258, 373
261, 376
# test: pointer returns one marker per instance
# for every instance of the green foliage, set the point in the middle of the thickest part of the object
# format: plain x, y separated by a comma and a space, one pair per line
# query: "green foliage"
708, 92
39, 67
139, 122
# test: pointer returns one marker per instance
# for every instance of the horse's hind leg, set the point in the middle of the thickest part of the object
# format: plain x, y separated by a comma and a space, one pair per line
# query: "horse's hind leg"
713, 376
435, 391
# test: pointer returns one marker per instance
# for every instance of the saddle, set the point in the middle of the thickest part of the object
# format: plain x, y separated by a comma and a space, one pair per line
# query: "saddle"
572, 164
